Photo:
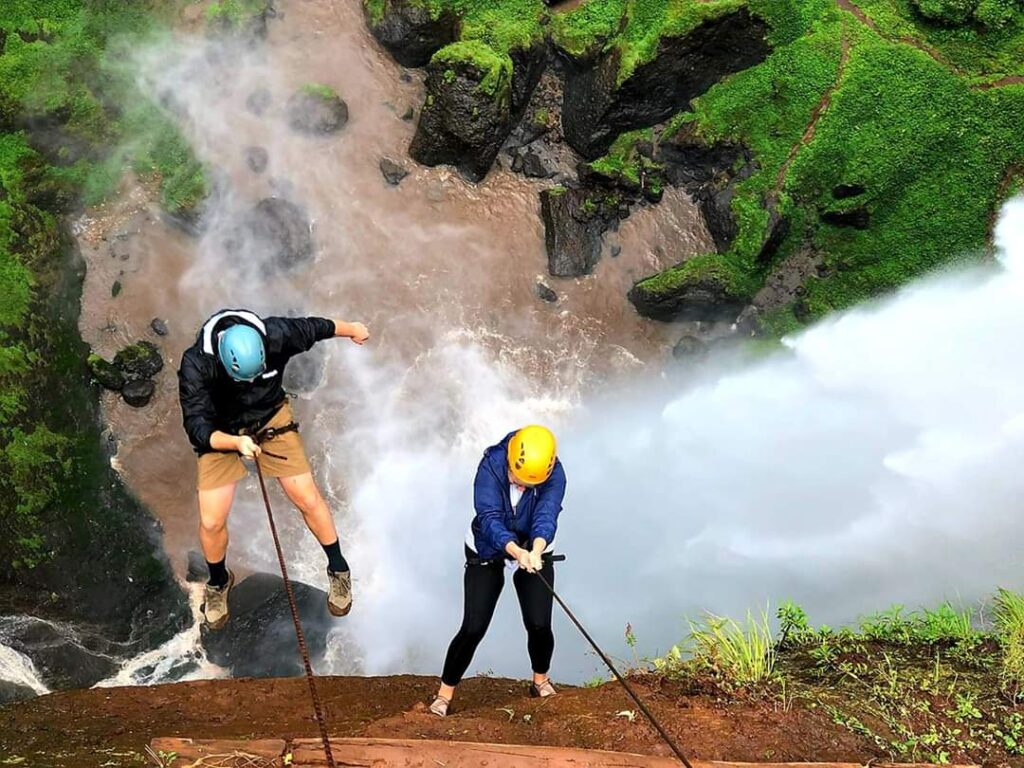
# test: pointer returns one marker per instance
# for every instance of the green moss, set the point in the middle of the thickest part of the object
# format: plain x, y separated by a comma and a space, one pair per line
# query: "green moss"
234, 14
706, 269
320, 91
589, 27
493, 69
625, 161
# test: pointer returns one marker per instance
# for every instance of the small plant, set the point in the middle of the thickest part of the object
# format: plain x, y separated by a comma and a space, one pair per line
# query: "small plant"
740, 655
1009, 618
794, 628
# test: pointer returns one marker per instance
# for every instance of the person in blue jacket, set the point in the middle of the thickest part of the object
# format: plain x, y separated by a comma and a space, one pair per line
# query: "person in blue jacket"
518, 495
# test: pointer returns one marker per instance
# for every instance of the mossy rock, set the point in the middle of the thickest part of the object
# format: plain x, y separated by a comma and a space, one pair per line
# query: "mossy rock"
239, 18
141, 360
108, 375
316, 110
410, 30
703, 288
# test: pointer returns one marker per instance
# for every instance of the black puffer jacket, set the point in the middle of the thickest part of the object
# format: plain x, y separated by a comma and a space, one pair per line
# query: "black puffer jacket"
211, 400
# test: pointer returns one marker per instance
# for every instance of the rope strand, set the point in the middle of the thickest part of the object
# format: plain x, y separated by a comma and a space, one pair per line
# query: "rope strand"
317, 707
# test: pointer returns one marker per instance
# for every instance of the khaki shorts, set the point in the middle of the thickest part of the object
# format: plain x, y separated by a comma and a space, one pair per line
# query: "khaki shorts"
218, 469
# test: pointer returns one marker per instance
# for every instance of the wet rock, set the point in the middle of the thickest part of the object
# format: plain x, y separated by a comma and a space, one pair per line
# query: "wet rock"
405, 77
305, 373
775, 234
115, 289
63, 657
137, 361
409, 114
317, 111
616, 250
259, 641
408, 31
11, 692
196, 570
691, 291
689, 348
393, 172
257, 159
138, 393
573, 224
716, 206
545, 293
688, 161
858, 218
845, 191
108, 375
598, 107
473, 100
275, 235
120, 249
158, 326
258, 102
536, 165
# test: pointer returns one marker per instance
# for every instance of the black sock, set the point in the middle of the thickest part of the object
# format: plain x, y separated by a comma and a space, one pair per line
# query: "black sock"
336, 562
218, 573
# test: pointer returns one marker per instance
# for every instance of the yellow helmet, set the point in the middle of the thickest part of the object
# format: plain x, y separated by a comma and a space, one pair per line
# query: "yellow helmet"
531, 454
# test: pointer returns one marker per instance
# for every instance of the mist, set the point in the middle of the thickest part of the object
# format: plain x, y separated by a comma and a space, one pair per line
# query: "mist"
873, 460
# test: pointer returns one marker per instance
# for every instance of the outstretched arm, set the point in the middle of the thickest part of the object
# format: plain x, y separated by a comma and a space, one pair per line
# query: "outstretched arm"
348, 330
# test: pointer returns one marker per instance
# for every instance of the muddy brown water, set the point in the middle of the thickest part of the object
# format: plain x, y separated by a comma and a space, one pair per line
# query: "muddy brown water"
431, 263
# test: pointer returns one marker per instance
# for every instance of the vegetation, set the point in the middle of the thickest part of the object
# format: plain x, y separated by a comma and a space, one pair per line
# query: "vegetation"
494, 69
927, 685
62, 69
927, 146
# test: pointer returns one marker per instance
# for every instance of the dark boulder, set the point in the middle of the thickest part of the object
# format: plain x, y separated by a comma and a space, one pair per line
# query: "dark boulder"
158, 326
13, 692
598, 107
545, 293
257, 159
775, 233
858, 218
141, 360
691, 163
258, 102
63, 656
259, 641
108, 375
689, 348
196, 570
241, 19
409, 31
305, 373
474, 97
139, 392
716, 206
115, 289
700, 289
275, 235
316, 110
574, 220
392, 172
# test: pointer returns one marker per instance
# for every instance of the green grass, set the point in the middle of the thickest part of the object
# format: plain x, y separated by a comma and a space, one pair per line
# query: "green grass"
973, 48
1009, 619
588, 28
738, 655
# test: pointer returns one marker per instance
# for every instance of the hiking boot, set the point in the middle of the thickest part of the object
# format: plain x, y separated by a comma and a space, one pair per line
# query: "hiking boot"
215, 603
440, 706
339, 598
543, 690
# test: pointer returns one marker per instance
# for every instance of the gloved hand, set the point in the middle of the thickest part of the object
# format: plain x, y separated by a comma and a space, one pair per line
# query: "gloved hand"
248, 447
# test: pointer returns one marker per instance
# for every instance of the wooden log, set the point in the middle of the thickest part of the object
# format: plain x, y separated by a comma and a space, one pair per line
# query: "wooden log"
413, 753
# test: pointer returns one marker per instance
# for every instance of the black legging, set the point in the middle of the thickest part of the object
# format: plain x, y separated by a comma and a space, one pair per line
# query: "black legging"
483, 585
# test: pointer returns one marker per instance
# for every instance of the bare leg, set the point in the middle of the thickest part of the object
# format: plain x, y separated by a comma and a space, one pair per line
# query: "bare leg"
304, 494
214, 506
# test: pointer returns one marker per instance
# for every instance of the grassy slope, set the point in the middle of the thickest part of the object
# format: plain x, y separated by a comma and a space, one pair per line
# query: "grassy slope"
930, 150
924, 686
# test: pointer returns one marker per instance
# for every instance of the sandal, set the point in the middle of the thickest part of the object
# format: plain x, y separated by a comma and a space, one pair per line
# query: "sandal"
440, 706
542, 690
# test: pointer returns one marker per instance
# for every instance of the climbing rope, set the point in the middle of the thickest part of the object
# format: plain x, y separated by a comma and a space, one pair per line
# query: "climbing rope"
608, 662
317, 707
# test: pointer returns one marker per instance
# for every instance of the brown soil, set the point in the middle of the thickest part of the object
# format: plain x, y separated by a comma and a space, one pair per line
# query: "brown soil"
111, 726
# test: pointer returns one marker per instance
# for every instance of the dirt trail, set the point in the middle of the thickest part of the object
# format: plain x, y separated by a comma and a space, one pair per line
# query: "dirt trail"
935, 53
111, 726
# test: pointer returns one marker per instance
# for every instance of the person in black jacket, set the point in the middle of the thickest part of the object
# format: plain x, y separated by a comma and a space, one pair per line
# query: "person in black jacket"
234, 406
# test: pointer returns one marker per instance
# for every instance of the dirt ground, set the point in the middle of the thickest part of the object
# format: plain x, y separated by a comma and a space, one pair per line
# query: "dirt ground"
111, 727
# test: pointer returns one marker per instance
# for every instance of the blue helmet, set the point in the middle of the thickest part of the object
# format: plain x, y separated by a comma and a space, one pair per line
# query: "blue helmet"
241, 352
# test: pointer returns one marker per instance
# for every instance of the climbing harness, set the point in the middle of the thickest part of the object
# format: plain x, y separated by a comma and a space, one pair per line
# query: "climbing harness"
608, 662
317, 706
